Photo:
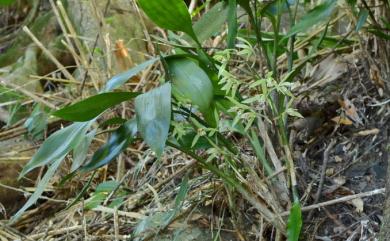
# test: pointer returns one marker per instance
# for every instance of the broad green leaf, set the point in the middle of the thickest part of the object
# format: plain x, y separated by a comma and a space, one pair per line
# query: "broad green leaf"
81, 150
190, 82
93, 106
122, 78
363, 14
118, 142
232, 24
57, 146
211, 22
294, 224
41, 186
169, 14
153, 111
313, 17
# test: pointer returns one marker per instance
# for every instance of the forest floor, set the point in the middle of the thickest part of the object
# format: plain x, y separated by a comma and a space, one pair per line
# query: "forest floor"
340, 149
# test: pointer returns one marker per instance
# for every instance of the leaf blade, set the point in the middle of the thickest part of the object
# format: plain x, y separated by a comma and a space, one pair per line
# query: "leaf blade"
57, 145
294, 223
153, 110
169, 14
116, 144
191, 82
122, 78
93, 106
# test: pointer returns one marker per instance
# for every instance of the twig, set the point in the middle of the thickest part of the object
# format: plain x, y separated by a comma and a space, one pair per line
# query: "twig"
339, 200
322, 177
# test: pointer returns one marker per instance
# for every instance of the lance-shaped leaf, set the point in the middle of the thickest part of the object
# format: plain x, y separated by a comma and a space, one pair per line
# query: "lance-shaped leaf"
91, 107
118, 142
40, 188
211, 21
122, 78
153, 111
294, 224
190, 82
232, 24
313, 17
81, 150
169, 14
57, 146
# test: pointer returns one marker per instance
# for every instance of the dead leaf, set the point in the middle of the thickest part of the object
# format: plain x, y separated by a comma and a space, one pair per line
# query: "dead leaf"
359, 204
375, 76
329, 171
374, 131
342, 120
338, 159
350, 110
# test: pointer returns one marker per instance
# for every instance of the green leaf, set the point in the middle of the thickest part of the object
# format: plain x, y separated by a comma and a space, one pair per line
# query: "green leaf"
93, 106
153, 111
169, 14
232, 24
41, 187
190, 82
118, 142
363, 14
57, 146
81, 150
313, 17
6, 2
36, 124
122, 78
211, 22
294, 224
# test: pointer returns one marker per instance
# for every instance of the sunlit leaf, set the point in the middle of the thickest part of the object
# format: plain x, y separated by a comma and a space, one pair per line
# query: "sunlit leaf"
116, 144
153, 111
190, 82
93, 106
169, 14
122, 78
294, 224
57, 146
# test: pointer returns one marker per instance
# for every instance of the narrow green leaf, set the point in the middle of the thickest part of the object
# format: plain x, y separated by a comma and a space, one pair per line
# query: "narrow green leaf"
122, 78
93, 106
40, 188
81, 150
294, 224
211, 21
232, 24
363, 14
313, 17
190, 82
379, 33
57, 146
153, 111
169, 14
116, 144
